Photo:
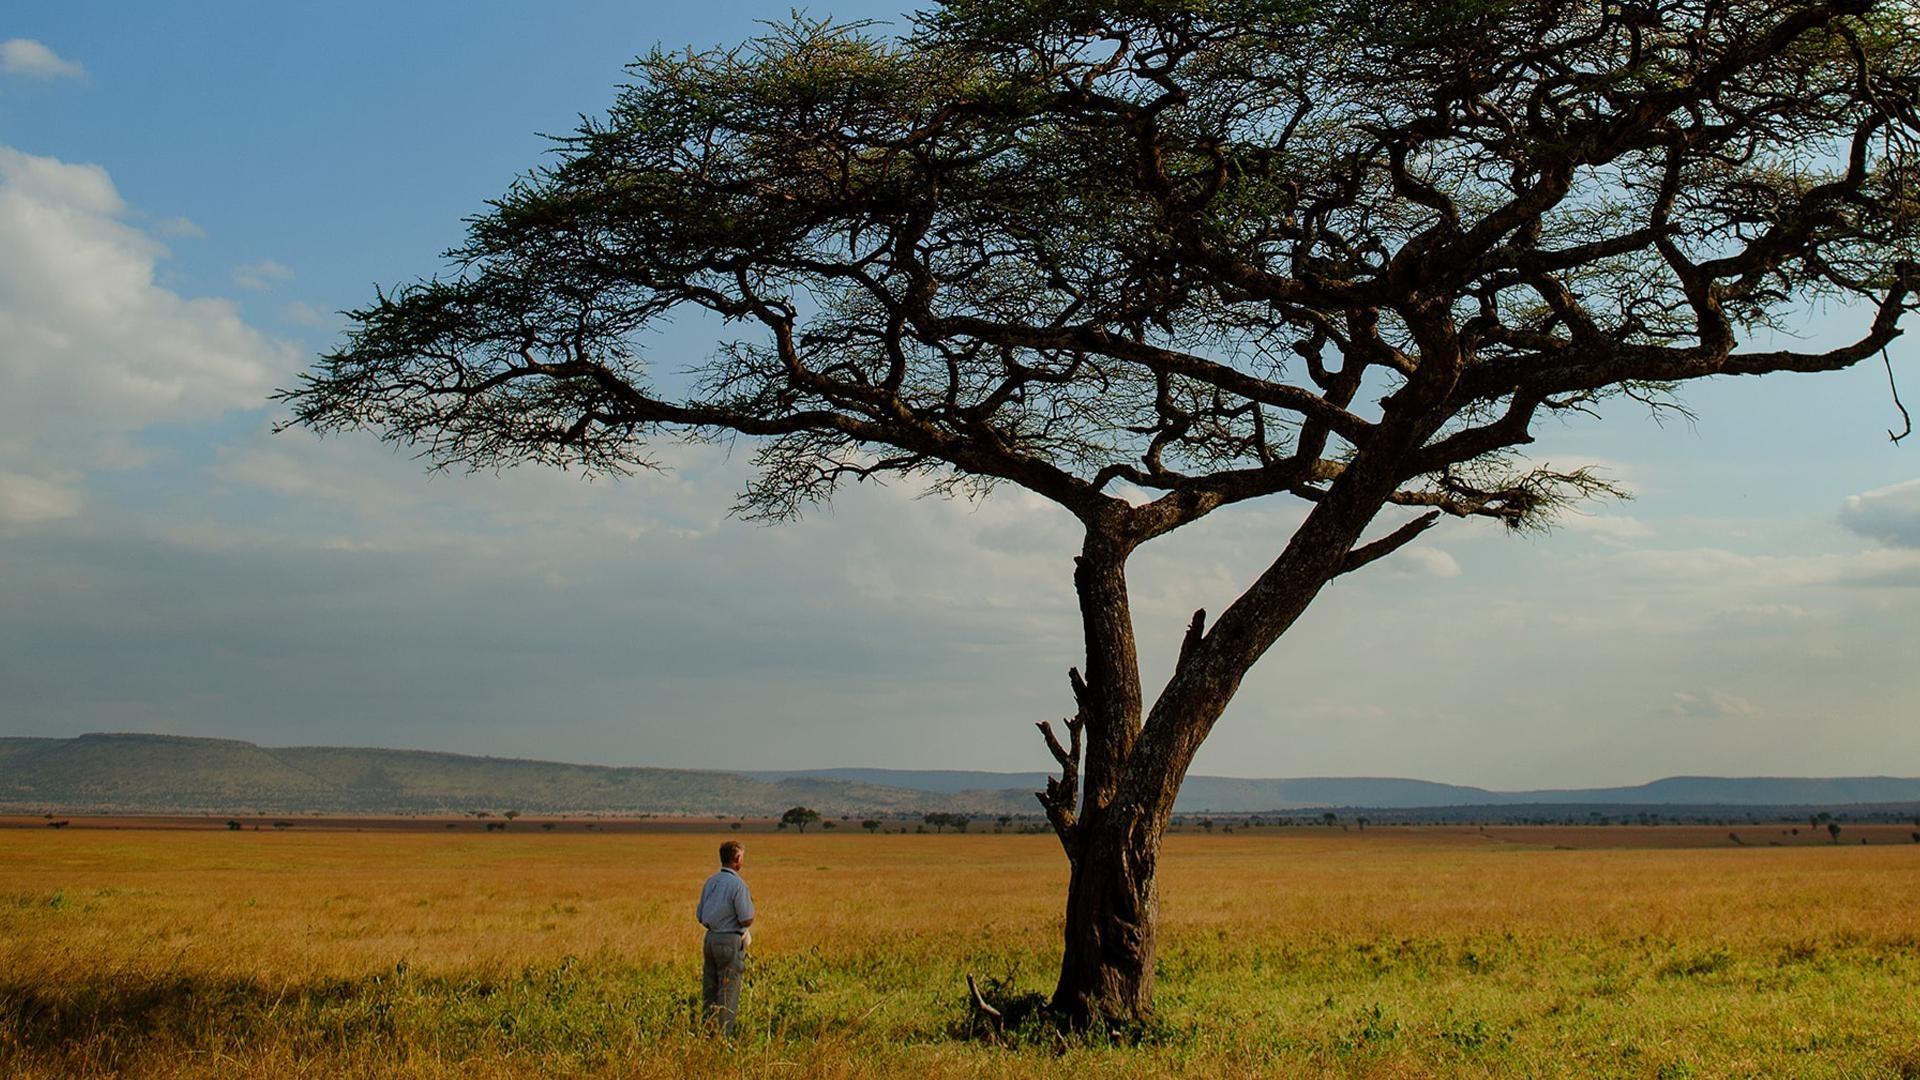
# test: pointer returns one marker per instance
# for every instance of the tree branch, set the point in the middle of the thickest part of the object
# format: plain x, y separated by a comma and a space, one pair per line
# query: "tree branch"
1196, 630
1388, 544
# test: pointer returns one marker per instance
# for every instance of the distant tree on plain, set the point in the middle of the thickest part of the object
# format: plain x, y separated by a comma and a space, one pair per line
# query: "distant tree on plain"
799, 817
511, 814
1833, 831
942, 820
873, 825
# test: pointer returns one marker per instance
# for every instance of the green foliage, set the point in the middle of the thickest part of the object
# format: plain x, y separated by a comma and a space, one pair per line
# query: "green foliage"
942, 820
1108, 233
800, 817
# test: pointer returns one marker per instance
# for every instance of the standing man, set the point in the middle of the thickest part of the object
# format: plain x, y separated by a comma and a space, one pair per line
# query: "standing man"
726, 910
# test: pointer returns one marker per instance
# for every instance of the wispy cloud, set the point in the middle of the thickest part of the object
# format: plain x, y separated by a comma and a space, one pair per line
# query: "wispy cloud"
1417, 561
25, 56
261, 276
27, 500
1617, 530
300, 314
1711, 703
178, 228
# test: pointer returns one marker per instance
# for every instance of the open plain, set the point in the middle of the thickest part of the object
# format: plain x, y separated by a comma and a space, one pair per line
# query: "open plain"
1445, 951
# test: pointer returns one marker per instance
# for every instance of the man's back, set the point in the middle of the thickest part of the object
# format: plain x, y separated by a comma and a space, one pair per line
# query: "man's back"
725, 905
726, 911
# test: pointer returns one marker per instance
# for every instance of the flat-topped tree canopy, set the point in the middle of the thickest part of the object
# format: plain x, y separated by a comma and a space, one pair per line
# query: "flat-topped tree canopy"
1151, 258
1062, 246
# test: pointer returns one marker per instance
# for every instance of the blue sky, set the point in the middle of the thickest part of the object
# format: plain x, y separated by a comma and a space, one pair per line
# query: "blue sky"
189, 191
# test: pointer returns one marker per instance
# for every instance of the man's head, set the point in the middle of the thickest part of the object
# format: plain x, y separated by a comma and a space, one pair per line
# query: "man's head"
731, 854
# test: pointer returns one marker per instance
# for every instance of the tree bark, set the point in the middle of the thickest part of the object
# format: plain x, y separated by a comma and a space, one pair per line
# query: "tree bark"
1111, 707
1113, 911
1106, 968
1134, 770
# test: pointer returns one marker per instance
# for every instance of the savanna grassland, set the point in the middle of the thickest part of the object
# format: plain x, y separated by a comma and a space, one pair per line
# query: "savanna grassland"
1388, 952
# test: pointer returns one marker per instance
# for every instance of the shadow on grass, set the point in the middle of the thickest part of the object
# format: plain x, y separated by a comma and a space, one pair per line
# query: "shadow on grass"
548, 1010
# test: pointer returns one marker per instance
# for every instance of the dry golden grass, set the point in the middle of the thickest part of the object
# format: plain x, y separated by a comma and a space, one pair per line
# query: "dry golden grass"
1394, 952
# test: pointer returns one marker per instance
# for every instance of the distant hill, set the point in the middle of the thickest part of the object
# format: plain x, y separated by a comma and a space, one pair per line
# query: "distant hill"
157, 773
1216, 794
151, 773
1743, 791
1232, 795
945, 781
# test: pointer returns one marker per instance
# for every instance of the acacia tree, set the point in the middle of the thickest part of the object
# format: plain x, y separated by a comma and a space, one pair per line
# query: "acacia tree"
1150, 259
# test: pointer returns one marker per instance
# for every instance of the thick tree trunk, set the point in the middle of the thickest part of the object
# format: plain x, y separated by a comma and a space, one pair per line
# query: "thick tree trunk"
1134, 770
1106, 970
1113, 910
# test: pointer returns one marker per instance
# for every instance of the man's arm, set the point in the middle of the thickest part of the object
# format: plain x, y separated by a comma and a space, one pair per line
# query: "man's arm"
743, 905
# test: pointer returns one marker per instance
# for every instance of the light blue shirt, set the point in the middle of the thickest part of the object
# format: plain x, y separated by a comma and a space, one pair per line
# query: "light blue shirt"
724, 904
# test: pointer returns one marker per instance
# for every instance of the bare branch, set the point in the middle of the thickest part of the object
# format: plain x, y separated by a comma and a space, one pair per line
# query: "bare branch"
1390, 543
1894, 389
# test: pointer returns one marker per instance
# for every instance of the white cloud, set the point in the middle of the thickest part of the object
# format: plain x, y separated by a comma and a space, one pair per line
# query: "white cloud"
1890, 514
1775, 617
179, 228
27, 500
1716, 571
25, 56
261, 276
94, 351
1617, 530
1417, 561
300, 314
